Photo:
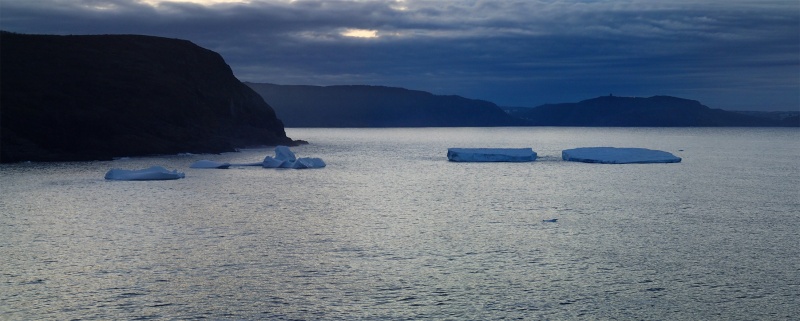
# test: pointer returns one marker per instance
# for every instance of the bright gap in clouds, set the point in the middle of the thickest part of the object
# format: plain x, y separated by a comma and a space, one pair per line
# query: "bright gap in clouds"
200, 2
360, 33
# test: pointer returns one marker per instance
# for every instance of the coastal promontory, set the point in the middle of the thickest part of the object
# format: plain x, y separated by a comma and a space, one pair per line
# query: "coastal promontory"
378, 106
96, 97
656, 111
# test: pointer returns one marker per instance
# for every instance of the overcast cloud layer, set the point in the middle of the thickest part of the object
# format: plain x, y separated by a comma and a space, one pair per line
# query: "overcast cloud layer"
729, 54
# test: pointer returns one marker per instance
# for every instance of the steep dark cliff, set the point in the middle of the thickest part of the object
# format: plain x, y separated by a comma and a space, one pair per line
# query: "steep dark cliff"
656, 111
103, 96
377, 106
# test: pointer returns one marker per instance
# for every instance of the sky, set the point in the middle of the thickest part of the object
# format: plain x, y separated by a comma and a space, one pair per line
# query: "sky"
727, 54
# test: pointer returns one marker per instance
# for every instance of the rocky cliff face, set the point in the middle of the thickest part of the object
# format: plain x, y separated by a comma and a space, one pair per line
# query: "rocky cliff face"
104, 96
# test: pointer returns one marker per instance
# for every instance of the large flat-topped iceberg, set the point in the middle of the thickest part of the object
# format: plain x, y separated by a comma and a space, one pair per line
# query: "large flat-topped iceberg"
285, 158
155, 173
491, 154
613, 155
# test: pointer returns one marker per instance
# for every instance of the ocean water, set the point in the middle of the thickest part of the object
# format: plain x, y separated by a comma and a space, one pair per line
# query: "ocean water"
390, 230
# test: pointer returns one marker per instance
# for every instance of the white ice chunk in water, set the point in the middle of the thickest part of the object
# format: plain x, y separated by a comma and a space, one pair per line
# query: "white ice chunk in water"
209, 164
313, 162
613, 155
285, 158
491, 154
147, 174
248, 164
308, 162
284, 153
270, 162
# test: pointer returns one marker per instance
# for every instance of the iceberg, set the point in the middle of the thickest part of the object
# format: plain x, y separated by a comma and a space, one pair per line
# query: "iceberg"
248, 164
308, 162
613, 155
285, 158
270, 162
154, 173
209, 164
491, 154
284, 153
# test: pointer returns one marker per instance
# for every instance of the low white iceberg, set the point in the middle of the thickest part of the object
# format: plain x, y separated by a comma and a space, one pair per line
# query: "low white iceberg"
491, 154
248, 164
308, 162
285, 158
209, 164
613, 155
154, 173
270, 162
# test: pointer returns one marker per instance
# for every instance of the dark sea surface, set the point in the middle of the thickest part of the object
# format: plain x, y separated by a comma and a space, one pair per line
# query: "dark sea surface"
390, 230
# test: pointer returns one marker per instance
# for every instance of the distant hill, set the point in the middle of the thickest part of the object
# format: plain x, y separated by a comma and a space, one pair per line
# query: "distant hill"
377, 106
786, 118
656, 111
102, 96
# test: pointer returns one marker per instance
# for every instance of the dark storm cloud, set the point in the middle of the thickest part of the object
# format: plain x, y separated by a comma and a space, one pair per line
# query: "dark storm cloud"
727, 54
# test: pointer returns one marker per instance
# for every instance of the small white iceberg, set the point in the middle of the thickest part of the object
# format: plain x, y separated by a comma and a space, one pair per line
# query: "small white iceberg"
491, 154
247, 164
285, 158
308, 162
613, 155
155, 173
209, 164
270, 162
